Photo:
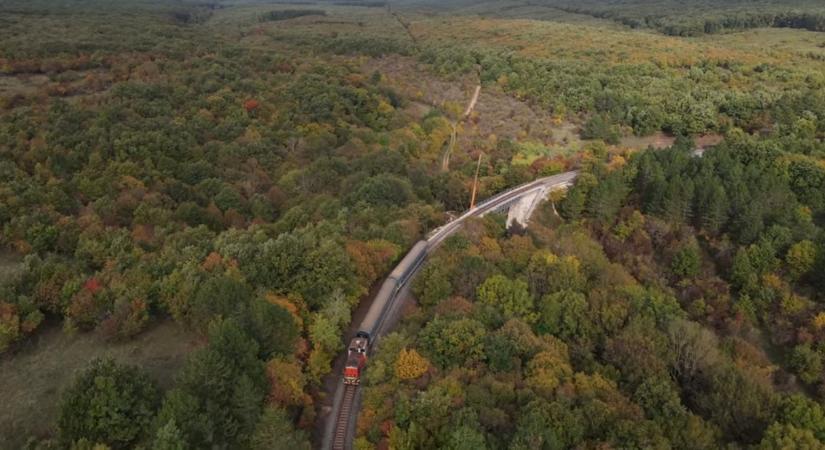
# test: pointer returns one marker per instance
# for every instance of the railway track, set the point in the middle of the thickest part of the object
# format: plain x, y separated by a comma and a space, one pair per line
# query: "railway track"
345, 405
344, 416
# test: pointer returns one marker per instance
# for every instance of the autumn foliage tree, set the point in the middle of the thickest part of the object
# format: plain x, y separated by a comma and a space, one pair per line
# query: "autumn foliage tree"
286, 383
410, 365
251, 105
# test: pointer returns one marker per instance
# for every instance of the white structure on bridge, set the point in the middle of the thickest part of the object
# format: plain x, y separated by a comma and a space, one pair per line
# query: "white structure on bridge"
524, 199
521, 211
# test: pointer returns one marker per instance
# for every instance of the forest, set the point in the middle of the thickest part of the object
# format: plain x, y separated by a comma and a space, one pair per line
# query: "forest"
695, 18
247, 172
646, 314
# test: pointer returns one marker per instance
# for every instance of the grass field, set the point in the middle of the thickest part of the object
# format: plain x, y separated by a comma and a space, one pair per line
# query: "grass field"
32, 380
9, 265
778, 43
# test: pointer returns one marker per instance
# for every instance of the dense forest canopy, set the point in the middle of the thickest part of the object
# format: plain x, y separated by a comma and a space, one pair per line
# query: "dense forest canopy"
247, 171
647, 316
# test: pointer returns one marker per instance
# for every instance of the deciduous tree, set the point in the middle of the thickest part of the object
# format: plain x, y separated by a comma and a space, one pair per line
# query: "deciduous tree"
410, 365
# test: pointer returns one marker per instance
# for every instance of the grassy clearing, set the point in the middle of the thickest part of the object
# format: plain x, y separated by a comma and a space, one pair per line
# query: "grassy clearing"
496, 116
33, 379
776, 42
9, 265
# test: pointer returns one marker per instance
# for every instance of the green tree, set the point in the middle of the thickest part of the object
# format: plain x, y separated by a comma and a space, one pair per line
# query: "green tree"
572, 206
275, 431
510, 298
788, 437
221, 390
453, 342
169, 437
606, 198
219, 296
272, 326
565, 314
183, 417
548, 273
806, 362
500, 353
660, 399
466, 438
553, 426
712, 205
229, 198
432, 285
803, 413
800, 259
108, 403
686, 262
743, 273
600, 127
739, 405
384, 190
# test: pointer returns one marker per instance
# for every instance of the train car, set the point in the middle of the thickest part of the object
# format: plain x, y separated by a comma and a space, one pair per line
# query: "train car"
411, 261
391, 285
369, 326
356, 359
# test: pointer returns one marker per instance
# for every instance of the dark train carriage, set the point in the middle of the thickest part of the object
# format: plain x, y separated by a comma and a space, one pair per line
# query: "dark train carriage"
379, 304
411, 261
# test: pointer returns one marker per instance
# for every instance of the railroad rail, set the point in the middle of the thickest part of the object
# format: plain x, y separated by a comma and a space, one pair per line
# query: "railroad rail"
343, 420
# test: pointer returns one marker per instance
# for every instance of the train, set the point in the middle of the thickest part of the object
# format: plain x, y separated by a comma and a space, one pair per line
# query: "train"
368, 330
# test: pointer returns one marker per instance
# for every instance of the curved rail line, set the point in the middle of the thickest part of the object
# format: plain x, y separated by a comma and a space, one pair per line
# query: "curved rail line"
347, 401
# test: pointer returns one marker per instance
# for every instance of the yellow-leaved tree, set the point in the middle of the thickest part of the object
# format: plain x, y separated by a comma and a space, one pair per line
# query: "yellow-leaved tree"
410, 365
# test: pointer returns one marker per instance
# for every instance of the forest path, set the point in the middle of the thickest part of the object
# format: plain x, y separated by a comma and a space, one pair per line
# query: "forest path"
445, 160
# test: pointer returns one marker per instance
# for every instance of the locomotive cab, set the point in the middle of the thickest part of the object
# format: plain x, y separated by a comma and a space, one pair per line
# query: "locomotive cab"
356, 358
358, 344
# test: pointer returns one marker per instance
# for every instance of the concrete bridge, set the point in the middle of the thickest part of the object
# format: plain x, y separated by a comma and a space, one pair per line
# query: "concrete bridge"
522, 208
